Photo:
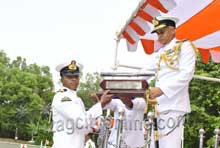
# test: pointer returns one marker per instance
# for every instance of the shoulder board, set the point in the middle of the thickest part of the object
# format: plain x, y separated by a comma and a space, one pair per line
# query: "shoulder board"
62, 90
194, 47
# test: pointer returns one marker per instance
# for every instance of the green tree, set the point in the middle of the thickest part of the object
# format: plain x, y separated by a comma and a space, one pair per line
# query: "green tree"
25, 90
88, 86
205, 104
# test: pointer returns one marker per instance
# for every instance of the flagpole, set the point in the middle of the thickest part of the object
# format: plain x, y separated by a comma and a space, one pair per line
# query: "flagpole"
115, 66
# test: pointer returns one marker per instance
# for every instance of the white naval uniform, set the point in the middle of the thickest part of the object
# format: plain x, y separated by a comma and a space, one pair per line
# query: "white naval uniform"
70, 120
175, 102
132, 134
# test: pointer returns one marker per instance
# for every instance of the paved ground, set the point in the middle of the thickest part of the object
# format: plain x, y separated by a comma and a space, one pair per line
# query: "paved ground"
4, 144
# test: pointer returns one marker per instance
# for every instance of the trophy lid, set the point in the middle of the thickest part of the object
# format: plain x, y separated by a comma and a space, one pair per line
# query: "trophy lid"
115, 75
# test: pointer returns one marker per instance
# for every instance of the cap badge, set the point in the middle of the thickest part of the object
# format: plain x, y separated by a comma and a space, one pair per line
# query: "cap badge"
155, 22
72, 65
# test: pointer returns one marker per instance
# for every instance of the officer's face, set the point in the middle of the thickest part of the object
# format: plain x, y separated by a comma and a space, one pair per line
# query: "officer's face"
165, 35
71, 82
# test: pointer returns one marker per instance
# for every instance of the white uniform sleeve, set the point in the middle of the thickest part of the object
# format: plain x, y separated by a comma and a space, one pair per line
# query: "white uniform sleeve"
95, 111
113, 105
72, 111
176, 83
139, 104
153, 63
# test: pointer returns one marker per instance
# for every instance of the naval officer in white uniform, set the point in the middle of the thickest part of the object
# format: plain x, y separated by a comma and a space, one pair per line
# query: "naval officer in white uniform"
175, 66
71, 122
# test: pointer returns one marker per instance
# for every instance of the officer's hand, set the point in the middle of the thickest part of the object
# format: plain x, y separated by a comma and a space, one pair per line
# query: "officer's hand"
127, 101
105, 98
155, 92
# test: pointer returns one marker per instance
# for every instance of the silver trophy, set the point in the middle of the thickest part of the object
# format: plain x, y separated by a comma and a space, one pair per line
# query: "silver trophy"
125, 84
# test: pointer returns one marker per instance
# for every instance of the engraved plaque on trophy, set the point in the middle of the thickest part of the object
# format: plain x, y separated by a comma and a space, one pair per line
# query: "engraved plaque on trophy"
125, 84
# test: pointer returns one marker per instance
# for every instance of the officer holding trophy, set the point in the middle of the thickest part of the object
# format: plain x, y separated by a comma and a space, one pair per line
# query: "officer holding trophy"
175, 66
71, 122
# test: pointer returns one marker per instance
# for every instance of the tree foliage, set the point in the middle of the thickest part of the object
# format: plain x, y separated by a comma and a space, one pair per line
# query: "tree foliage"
88, 86
205, 104
24, 91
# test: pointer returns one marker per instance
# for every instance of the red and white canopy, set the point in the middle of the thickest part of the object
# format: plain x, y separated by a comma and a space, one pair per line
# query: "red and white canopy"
199, 22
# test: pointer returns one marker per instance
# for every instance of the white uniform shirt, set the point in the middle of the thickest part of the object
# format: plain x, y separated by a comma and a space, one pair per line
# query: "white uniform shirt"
132, 134
70, 120
175, 83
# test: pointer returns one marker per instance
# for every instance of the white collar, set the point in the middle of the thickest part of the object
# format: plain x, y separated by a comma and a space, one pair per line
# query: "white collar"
69, 90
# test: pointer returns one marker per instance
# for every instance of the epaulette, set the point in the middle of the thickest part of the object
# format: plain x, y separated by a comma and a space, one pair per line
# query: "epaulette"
62, 90
193, 46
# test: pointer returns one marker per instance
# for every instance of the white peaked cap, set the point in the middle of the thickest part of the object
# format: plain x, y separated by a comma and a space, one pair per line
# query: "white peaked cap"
60, 66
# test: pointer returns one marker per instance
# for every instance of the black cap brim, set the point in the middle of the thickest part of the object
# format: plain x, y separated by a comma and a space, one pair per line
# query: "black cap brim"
69, 72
